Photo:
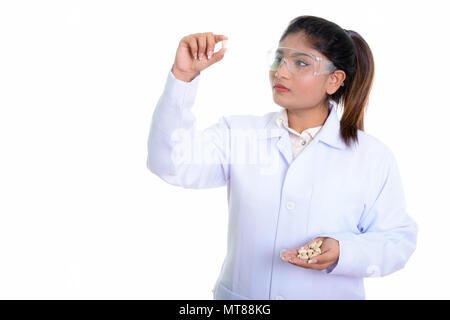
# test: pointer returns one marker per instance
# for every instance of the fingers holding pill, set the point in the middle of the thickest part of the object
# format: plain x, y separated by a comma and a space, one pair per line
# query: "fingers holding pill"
206, 44
196, 53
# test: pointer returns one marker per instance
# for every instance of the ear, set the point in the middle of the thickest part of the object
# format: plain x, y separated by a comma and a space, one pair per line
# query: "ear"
335, 80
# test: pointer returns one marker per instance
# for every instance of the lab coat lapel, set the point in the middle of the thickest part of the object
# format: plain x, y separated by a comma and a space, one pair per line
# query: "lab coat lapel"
284, 146
330, 132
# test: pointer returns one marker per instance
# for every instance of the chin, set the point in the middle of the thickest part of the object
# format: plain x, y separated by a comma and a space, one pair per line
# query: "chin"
278, 100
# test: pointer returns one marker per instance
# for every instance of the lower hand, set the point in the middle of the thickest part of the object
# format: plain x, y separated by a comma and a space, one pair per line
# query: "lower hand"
330, 254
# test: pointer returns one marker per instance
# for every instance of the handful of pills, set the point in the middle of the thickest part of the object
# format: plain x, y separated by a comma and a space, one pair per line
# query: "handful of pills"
311, 251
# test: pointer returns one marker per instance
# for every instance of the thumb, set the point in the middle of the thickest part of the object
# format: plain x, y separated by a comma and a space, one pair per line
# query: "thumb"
218, 55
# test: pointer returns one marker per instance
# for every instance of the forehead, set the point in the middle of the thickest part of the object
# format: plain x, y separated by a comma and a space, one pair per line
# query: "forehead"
299, 42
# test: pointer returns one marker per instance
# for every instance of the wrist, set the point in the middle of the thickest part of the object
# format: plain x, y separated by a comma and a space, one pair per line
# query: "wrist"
183, 76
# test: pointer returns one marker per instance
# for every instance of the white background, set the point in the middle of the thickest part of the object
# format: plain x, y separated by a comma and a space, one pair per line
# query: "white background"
81, 216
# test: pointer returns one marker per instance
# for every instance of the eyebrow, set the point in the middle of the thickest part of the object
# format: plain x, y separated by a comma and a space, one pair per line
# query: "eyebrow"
294, 54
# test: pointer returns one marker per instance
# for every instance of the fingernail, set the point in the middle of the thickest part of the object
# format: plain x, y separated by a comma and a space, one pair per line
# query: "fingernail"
195, 56
209, 54
312, 261
200, 57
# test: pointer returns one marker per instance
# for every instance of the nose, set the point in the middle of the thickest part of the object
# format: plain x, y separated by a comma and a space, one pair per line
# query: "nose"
281, 65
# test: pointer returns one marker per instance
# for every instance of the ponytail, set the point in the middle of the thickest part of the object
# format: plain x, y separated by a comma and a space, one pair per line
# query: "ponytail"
357, 89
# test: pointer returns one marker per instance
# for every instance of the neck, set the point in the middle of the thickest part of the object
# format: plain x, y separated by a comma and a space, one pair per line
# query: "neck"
302, 119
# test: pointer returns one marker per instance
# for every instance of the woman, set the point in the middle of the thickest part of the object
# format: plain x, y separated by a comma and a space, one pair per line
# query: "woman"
294, 176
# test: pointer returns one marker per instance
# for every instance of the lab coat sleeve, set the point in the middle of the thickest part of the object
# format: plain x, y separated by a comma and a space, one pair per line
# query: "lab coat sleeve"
387, 235
179, 153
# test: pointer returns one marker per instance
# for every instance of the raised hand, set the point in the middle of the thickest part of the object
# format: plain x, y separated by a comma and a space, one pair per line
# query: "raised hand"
195, 53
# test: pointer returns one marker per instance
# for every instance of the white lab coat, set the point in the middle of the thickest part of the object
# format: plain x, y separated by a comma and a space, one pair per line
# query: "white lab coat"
352, 194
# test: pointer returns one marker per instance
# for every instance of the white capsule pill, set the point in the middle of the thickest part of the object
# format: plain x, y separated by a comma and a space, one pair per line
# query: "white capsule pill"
224, 44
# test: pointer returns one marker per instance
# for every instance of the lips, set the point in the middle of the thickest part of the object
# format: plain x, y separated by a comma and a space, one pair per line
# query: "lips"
280, 86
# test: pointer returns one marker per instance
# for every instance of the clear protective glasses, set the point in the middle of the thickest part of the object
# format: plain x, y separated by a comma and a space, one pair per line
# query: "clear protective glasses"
298, 63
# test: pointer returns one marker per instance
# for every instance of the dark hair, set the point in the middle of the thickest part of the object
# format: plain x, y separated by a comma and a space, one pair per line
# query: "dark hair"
349, 52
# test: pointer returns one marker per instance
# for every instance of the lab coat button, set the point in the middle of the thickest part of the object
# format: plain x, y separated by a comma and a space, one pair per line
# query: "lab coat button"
279, 298
290, 205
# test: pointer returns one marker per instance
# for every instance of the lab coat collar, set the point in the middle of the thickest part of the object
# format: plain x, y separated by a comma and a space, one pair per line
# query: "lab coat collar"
328, 134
